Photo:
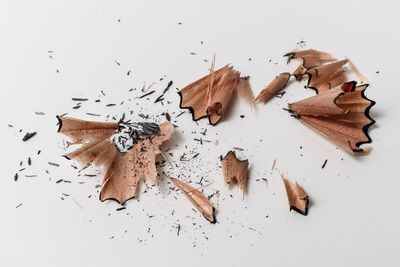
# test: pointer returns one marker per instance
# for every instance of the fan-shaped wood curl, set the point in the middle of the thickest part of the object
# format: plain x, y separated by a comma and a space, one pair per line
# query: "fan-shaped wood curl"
124, 172
341, 114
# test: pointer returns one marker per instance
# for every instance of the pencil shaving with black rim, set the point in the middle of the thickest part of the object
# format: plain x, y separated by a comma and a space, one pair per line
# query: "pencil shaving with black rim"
126, 150
210, 96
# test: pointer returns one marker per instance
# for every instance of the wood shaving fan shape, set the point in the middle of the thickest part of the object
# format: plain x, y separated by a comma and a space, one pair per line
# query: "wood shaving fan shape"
211, 95
341, 114
124, 172
340, 110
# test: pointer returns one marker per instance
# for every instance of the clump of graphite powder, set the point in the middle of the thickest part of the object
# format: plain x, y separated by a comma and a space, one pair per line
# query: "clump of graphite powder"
129, 133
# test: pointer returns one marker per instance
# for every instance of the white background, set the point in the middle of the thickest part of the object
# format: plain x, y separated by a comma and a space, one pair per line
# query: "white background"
353, 218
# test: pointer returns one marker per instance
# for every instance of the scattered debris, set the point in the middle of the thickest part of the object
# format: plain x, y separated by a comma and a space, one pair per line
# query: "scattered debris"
128, 149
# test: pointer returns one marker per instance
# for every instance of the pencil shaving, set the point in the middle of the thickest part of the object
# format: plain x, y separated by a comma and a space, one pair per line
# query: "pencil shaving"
198, 200
211, 95
235, 171
341, 114
128, 159
297, 197
274, 87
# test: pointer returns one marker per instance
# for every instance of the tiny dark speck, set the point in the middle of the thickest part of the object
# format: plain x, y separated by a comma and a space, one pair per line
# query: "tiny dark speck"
149, 93
242, 116
279, 95
53, 164
28, 136
323, 165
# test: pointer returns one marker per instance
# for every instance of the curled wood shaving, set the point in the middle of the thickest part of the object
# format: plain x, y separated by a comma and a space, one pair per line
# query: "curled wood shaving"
273, 88
244, 90
360, 76
328, 76
297, 197
198, 200
341, 114
234, 170
211, 95
299, 73
311, 58
124, 171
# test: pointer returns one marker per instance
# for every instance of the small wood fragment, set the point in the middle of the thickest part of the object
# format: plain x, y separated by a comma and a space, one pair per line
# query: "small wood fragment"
273, 164
234, 170
198, 200
297, 197
273, 88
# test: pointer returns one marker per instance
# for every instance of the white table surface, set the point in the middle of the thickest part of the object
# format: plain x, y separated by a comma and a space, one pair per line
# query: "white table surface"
354, 213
